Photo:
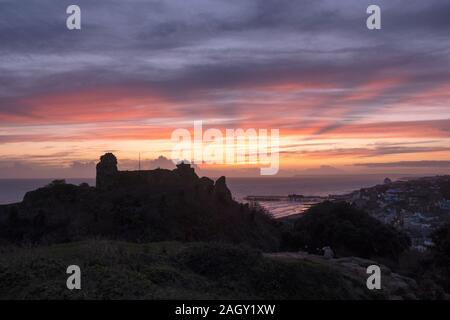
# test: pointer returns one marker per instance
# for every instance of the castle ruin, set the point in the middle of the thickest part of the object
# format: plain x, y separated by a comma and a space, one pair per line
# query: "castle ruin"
182, 178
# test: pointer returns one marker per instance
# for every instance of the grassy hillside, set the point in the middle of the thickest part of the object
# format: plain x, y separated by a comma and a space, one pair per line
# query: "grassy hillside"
61, 213
346, 229
166, 270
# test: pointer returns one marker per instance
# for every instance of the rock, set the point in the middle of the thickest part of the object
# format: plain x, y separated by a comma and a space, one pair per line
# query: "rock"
328, 253
221, 190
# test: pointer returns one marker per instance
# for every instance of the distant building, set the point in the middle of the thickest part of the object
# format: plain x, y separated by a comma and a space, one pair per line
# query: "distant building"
444, 205
295, 197
420, 248
108, 176
392, 195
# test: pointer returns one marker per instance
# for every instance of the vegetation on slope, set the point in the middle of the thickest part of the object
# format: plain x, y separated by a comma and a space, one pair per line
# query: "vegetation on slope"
62, 213
347, 230
441, 256
117, 270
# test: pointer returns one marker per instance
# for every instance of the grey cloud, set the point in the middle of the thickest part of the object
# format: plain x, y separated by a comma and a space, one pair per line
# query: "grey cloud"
407, 164
161, 162
369, 152
184, 47
26, 169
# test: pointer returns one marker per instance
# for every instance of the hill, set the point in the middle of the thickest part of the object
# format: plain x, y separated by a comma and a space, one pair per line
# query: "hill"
168, 270
137, 206
346, 229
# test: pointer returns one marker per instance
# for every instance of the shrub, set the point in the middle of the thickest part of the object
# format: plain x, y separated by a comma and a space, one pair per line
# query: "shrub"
441, 256
347, 230
56, 182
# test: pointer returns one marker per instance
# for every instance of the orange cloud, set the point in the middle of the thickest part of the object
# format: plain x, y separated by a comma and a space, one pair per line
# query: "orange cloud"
111, 104
373, 89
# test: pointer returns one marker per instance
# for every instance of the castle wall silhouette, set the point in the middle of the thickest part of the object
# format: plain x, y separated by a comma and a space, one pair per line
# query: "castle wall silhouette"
182, 178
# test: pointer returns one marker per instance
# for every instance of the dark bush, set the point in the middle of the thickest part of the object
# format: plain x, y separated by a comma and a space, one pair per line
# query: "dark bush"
441, 256
347, 230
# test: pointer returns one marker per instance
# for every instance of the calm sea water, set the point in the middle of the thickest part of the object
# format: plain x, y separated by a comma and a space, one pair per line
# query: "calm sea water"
13, 190
307, 185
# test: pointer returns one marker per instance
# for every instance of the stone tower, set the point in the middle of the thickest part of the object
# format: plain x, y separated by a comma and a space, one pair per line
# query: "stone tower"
185, 170
106, 171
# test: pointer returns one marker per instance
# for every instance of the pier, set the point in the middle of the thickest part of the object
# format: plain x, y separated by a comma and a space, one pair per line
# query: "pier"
293, 198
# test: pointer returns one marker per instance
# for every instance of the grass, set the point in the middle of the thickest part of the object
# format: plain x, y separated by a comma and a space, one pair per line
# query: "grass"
164, 270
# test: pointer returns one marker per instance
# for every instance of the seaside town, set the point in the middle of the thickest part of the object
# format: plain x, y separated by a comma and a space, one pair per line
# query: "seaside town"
417, 206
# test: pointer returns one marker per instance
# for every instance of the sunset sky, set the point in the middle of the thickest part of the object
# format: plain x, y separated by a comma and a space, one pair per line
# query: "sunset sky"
345, 99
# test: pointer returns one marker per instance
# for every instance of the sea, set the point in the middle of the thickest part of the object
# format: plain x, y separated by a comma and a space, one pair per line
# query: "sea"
13, 190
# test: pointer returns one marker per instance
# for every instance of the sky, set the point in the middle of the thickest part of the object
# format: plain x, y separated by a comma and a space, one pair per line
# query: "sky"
345, 99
